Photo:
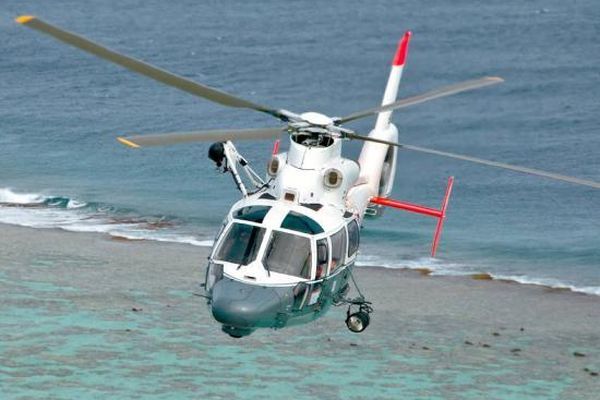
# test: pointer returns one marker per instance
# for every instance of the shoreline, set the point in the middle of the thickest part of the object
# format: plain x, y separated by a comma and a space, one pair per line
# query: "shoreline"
486, 276
424, 271
483, 276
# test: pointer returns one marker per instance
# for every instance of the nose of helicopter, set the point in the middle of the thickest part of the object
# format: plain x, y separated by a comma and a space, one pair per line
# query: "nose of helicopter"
242, 307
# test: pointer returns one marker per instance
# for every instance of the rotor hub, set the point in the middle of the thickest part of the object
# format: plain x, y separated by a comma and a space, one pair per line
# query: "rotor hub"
317, 119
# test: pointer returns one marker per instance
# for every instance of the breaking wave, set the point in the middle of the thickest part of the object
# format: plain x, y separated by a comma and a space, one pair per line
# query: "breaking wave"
45, 211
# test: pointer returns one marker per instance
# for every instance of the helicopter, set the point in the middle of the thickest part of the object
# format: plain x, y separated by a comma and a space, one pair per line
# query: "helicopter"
286, 250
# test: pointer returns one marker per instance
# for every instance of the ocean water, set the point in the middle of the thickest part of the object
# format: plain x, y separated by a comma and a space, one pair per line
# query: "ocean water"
60, 111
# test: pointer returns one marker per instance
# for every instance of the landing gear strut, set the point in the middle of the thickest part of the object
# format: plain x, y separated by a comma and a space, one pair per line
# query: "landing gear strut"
359, 309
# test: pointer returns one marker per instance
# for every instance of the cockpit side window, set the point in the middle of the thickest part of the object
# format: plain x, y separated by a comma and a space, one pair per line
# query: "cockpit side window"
288, 254
322, 258
338, 248
353, 238
301, 223
252, 213
241, 244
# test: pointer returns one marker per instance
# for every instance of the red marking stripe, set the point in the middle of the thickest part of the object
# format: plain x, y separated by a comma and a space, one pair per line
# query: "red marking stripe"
276, 147
402, 51
405, 205
440, 224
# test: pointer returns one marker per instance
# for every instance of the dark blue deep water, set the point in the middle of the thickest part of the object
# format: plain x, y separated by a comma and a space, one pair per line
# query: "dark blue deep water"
60, 111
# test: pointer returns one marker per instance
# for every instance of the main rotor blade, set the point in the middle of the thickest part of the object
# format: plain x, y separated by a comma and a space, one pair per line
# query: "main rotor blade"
218, 135
146, 69
431, 95
496, 164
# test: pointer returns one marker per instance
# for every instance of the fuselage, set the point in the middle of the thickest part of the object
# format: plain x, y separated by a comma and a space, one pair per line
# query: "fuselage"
285, 254
276, 264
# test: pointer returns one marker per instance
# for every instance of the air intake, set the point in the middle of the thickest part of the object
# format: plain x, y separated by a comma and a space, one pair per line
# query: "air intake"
332, 178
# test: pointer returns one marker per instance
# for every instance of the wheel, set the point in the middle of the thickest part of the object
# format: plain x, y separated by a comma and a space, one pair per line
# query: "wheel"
358, 321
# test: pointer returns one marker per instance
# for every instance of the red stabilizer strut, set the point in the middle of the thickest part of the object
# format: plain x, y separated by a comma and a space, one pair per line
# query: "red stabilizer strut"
416, 208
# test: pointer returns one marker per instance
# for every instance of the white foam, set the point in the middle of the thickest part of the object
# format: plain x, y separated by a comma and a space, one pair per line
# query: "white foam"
548, 282
36, 218
164, 237
8, 196
72, 204
72, 218
440, 268
436, 266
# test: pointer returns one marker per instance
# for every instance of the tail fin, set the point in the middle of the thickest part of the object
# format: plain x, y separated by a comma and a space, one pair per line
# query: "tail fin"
378, 161
391, 90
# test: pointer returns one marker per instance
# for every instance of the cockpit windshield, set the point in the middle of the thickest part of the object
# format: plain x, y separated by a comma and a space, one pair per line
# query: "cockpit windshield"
301, 223
288, 254
252, 213
241, 244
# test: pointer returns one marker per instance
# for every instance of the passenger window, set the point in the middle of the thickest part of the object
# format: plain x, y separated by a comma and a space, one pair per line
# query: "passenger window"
353, 238
338, 248
322, 258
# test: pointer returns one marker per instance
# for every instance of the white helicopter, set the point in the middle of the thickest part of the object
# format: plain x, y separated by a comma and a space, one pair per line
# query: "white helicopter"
286, 250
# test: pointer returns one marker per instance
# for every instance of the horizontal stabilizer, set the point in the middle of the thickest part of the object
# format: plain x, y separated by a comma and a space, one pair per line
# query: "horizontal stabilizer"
419, 209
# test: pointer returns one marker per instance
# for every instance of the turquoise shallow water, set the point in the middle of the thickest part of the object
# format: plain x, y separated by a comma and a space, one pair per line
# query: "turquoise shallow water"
57, 350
